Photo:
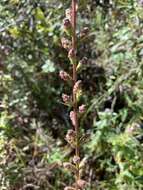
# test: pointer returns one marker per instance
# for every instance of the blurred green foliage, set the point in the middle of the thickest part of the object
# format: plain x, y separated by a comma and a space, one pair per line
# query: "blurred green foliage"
33, 122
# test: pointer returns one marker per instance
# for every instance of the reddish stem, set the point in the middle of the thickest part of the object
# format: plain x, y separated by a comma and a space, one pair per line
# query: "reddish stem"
74, 47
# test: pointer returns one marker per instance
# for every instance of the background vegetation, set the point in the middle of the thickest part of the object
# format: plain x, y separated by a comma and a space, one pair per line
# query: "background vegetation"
33, 121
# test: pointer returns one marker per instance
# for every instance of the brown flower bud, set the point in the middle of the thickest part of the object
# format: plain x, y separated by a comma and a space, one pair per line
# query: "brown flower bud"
77, 86
76, 159
82, 108
64, 75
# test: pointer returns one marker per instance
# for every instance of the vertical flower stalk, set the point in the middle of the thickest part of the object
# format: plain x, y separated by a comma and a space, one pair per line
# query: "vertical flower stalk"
74, 47
73, 135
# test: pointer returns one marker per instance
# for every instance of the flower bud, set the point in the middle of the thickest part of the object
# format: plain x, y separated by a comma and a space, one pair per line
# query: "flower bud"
83, 163
79, 94
82, 108
77, 86
70, 167
67, 27
66, 23
68, 13
71, 53
71, 133
72, 56
64, 75
66, 98
84, 60
81, 183
70, 137
76, 159
73, 118
84, 32
66, 44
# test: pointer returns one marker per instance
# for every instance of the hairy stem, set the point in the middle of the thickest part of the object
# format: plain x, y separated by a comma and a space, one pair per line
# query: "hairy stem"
74, 47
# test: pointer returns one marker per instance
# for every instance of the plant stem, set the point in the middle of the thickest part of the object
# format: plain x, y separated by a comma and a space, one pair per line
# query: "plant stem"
74, 47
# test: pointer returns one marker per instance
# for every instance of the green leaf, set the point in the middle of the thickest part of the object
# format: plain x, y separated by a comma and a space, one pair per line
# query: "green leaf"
39, 14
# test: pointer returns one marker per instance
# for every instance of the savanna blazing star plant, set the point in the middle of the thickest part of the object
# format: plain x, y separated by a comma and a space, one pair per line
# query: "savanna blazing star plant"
73, 136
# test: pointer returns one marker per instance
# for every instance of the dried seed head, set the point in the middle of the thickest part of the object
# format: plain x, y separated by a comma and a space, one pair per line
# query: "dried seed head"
66, 98
77, 86
73, 118
76, 159
64, 75
81, 183
82, 108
